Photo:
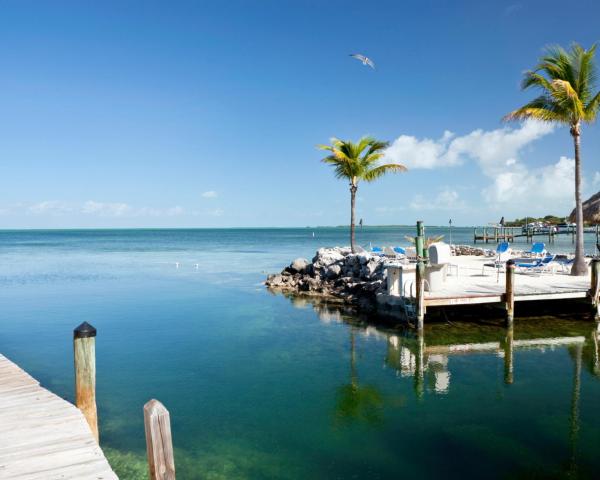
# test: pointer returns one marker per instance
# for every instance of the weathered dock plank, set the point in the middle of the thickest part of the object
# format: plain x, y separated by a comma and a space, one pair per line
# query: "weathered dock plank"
43, 436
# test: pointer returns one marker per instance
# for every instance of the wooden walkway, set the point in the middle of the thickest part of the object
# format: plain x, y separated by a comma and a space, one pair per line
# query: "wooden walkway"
42, 436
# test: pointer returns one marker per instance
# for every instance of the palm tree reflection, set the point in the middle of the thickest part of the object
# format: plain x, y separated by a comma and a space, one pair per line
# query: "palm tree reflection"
356, 402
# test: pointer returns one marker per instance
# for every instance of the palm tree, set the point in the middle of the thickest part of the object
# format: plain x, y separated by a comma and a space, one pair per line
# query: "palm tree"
567, 82
355, 162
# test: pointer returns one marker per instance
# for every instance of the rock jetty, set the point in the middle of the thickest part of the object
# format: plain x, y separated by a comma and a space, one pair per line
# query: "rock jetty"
337, 273
334, 272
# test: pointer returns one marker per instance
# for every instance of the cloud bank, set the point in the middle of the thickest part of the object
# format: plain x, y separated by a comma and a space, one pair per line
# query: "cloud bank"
498, 154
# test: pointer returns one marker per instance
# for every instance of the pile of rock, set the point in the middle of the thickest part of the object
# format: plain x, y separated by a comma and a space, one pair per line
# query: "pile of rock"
335, 272
468, 250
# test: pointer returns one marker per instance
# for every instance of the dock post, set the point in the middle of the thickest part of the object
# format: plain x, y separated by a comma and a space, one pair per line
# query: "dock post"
420, 239
510, 292
485, 235
595, 287
159, 443
508, 356
84, 348
475, 235
420, 292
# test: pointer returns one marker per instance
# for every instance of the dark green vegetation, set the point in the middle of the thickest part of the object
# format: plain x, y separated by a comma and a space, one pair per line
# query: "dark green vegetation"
549, 219
566, 81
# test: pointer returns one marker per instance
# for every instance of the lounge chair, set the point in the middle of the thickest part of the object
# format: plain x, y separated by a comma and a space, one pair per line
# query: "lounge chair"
538, 249
503, 254
565, 264
541, 265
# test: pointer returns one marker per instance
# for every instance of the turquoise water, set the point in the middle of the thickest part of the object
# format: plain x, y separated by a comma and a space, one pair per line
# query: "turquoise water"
261, 386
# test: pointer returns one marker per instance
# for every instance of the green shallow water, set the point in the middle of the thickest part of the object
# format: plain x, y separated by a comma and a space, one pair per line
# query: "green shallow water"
260, 386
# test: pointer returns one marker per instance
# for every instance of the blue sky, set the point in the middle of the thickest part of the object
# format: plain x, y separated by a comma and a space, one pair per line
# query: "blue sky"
207, 114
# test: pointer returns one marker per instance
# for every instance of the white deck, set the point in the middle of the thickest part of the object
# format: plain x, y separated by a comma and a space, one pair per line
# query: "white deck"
470, 286
42, 436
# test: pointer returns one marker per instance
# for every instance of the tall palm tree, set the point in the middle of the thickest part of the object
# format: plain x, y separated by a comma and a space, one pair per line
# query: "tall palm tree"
356, 162
567, 82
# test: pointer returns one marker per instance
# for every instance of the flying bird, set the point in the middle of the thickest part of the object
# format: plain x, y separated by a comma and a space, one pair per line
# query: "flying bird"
363, 59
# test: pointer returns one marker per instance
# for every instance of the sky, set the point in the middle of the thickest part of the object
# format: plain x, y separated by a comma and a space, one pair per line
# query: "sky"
208, 114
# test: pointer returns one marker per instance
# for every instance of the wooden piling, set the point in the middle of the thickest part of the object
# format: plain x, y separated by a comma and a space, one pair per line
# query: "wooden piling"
510, 292
508, 356
420, 239
420, 295
595, 287
159, 443
84, 348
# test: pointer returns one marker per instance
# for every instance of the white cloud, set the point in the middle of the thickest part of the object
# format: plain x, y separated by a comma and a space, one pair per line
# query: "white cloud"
512, 9
210, 194
548, 188
50, 207
106, 209
493, 150
446, 199
217, 212
90, 208
498, 154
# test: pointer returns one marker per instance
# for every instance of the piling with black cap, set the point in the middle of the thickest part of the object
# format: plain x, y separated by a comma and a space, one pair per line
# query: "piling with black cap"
84, 347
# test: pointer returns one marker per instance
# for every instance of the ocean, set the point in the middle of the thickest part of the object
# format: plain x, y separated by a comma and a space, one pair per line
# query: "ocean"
261, 386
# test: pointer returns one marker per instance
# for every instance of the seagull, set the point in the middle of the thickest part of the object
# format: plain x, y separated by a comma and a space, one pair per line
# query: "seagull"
363, 59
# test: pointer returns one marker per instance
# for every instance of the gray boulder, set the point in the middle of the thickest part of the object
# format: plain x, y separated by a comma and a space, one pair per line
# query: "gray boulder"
299, 265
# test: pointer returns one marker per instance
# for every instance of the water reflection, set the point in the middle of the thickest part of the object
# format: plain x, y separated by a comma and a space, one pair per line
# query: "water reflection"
355, 401
427, 357
443, 361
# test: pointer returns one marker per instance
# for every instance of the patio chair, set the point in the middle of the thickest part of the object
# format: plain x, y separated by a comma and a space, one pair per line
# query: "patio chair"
538, 249
541, 265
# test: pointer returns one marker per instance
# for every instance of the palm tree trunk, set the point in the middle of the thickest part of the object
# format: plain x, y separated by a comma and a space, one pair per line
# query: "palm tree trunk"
353, 189
579, 266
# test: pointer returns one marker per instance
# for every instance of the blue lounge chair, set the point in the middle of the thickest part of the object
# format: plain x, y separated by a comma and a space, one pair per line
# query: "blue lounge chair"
503, 253
538, 249
565, 264
539, 266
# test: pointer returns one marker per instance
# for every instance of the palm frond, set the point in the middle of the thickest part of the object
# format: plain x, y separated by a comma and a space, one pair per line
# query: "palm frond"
566, 96
567, 80
534, 79
358, 161
375, 173
591, 109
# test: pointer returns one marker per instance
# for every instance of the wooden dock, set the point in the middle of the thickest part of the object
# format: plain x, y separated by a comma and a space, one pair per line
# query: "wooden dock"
42, 436
510, 234
475, 280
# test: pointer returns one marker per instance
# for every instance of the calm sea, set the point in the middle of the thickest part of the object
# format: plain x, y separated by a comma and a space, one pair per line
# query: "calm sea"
260, 386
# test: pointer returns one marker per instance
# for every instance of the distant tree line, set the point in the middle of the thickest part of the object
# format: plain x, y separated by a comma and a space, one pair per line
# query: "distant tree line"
549, 219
